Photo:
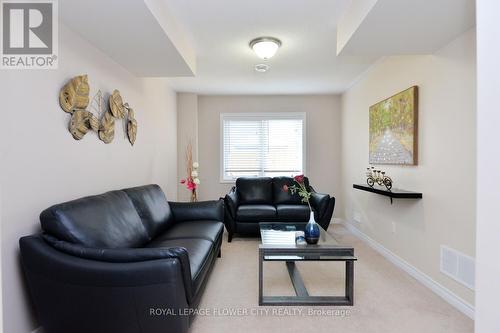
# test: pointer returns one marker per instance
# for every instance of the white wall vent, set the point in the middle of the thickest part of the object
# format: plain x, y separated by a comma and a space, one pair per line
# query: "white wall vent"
458, 266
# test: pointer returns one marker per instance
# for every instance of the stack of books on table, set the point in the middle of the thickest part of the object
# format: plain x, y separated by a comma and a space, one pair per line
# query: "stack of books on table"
278, 237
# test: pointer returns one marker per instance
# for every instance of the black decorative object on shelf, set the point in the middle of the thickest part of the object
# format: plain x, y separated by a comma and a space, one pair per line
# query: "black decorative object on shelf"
378, 177
393, 194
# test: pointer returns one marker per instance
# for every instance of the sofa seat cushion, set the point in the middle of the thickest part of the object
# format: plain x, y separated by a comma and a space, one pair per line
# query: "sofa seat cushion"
298, 213
203, 229
255, 213
198, 251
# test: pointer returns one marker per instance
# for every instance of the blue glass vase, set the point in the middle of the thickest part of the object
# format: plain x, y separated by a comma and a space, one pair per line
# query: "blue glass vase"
311, 232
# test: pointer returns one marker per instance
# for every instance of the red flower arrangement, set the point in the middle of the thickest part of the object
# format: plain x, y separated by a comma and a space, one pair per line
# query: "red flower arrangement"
300, 188
190, 184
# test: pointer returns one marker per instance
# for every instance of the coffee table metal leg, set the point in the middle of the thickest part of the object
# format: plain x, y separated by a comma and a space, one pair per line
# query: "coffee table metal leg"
261, 267
297, 282
349, 281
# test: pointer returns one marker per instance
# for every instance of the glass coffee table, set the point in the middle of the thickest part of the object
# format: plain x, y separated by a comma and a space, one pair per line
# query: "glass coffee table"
277, 246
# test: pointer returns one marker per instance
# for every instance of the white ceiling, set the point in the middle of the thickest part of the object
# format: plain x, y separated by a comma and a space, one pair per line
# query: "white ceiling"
139, 35
202, 45
395, 27
220, 31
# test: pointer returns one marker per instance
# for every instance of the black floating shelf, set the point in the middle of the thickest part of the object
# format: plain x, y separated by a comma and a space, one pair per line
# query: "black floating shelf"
393, 193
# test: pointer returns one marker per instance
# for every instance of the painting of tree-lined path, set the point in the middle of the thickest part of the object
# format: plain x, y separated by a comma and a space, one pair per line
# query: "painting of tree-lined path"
393, 129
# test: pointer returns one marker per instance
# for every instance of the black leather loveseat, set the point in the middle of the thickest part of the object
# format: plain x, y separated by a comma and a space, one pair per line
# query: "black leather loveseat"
124, 261
263, 199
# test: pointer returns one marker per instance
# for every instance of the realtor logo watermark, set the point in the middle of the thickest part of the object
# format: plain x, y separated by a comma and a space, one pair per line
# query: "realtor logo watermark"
29, 36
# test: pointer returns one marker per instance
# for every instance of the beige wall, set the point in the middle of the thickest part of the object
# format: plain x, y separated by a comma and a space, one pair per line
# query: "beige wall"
446, 173
322, 136
42, 165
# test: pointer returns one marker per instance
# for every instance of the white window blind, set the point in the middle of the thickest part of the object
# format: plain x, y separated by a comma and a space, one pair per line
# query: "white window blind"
262, 145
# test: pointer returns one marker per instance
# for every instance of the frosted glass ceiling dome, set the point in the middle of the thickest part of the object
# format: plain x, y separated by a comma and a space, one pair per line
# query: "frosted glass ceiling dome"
265, 47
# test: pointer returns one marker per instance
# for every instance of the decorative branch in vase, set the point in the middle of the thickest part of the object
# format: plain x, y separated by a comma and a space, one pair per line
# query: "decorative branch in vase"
311, 231
192, 180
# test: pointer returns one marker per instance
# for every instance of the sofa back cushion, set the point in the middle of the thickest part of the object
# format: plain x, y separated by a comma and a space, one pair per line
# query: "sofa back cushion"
254, 190
108, 220
282, 197
153, 208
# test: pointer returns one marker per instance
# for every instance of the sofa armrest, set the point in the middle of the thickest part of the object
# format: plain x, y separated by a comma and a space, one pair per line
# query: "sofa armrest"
203, 210
319, 202
323, 205
118, 255
65, 284
75, 263
232, 202
128, 255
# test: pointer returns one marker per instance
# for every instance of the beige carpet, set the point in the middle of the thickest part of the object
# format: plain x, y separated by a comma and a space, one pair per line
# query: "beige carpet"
386, 299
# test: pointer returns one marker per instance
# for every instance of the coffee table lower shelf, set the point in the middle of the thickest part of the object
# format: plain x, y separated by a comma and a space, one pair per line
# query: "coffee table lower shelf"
305, 301
303, 297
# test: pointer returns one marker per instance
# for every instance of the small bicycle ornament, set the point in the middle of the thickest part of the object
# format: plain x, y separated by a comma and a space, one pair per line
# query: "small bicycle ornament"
378, 177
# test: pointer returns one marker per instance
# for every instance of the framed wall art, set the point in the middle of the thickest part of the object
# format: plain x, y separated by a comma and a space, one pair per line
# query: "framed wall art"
394, 129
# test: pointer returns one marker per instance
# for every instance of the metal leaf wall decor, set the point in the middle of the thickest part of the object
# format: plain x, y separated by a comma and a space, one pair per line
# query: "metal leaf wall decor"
131, 126
75, 94
81, 122
116, 105
74, 99
96, 105
107, 128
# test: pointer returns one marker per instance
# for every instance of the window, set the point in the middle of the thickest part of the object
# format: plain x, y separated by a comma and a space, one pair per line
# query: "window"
262, 145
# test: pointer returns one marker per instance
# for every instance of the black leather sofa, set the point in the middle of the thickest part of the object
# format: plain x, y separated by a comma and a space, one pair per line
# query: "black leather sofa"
263, 199
124, 261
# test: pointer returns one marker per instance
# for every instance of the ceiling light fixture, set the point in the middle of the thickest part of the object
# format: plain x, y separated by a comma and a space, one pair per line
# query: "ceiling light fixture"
265, 47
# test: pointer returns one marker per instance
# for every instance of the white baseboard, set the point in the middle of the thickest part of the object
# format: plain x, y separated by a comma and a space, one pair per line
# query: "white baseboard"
443, 292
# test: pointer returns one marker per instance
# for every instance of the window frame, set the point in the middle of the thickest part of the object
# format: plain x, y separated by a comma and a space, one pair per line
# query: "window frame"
259, 116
